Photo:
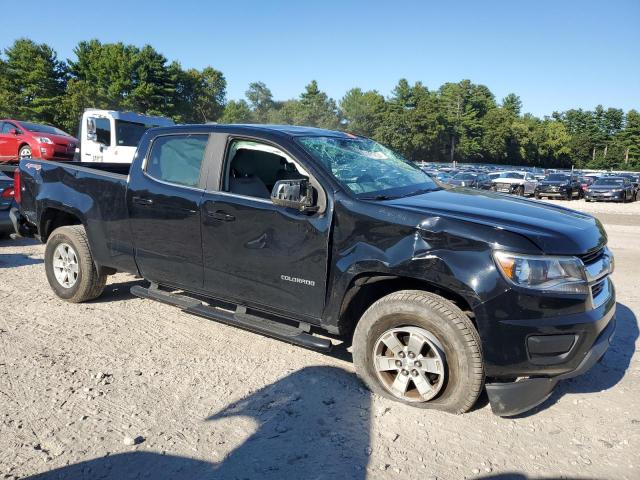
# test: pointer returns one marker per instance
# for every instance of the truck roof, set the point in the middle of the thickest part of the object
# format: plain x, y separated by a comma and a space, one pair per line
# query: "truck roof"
132, 116
285, 130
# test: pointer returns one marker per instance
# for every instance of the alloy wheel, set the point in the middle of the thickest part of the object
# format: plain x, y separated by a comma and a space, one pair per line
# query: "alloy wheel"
409, 362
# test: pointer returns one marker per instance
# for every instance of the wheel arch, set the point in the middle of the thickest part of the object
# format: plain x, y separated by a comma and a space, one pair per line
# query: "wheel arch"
366, 289
56, 217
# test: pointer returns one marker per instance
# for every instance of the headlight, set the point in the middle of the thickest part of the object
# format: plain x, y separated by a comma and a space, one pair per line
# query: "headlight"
548, 273
44, 140
616, 190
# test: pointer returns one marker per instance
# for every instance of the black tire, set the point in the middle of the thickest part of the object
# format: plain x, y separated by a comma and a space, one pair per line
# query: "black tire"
89, 284
25, 152
537, 195
569, 195
460, 343
520, 191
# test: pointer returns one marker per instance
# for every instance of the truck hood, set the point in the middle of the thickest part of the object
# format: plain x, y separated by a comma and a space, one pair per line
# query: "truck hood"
555, 230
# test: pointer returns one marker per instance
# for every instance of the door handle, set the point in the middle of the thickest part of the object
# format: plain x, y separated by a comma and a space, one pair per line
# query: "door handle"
142, 201
220, 215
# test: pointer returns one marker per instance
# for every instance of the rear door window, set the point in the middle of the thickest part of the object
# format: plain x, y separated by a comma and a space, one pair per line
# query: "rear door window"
177, 159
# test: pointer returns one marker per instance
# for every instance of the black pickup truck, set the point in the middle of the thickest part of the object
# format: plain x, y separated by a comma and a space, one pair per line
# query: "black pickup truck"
294, 231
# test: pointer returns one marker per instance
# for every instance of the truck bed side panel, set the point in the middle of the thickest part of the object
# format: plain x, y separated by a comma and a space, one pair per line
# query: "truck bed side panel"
96, 198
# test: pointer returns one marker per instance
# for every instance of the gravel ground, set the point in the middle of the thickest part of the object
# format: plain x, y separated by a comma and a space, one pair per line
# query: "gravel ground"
128, 388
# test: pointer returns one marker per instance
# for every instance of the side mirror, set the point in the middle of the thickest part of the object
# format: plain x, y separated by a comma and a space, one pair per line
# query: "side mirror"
13, 131
91, 129
298, 194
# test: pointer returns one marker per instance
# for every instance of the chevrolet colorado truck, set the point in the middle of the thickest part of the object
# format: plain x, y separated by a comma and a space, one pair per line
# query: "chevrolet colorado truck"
294, 232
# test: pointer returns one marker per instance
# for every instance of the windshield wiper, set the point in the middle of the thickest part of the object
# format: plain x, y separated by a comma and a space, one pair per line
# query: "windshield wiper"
418, 192
379, 197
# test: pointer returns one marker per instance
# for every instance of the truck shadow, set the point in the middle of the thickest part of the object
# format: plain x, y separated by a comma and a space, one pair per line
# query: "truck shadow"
13, 260
609, 370
313, 423
18, 242
117, 292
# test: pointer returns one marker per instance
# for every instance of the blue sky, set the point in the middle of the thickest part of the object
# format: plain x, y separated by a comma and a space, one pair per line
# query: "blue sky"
554, 54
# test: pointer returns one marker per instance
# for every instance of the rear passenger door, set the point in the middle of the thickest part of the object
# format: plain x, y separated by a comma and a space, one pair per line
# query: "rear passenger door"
164, 210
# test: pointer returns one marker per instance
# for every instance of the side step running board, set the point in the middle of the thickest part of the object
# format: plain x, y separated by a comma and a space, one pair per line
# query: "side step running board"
239, 318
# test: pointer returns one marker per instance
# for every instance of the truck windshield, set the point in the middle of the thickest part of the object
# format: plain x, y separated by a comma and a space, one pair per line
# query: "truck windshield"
128, 134
366, 168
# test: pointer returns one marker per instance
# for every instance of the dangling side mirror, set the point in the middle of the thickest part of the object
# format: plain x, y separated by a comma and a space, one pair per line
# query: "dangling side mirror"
298, 194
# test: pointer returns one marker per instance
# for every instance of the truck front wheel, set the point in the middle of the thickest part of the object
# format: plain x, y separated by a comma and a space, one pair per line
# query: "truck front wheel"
419, 348
70, 269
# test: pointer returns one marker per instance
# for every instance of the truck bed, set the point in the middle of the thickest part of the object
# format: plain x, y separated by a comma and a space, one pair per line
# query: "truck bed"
94, 193
115, 168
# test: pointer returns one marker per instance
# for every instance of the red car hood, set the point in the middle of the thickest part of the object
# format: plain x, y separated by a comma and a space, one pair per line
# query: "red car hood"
57, 139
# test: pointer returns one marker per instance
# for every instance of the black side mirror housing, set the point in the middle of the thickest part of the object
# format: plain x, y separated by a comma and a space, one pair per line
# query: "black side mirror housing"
297, 194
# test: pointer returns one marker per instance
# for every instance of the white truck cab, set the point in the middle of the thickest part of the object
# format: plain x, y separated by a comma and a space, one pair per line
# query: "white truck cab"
111, 136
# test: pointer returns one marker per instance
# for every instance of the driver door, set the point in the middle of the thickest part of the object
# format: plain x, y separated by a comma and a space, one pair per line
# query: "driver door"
256, 253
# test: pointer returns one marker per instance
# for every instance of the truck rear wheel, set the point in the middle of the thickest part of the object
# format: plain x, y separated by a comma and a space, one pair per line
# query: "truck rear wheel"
69, 265
420, 349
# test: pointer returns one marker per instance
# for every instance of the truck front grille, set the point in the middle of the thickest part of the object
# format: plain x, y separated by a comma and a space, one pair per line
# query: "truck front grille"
597, 288
592, 255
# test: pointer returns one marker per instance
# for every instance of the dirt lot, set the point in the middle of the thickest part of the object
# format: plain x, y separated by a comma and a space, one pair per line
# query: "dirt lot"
128, 388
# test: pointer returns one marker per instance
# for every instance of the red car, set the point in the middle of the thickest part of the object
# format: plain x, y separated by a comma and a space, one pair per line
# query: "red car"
33, 140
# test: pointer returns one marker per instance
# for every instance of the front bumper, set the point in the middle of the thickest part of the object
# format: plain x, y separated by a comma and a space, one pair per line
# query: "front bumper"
552, 193
55, 152
506, 187
512, 398
604, 197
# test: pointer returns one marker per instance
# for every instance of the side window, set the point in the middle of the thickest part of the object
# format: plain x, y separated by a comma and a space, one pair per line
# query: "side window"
6, 127
253, 168
103, 131
177, 159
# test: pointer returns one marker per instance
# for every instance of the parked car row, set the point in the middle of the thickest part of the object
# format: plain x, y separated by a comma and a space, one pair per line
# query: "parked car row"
622, 187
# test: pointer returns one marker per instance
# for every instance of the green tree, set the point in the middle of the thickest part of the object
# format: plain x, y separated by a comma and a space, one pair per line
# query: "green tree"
32, 81
261, 101
206, 96
362, 112
497, 142
629, 139
464, 104
237, 112
412, 123
512, 103
316, 109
